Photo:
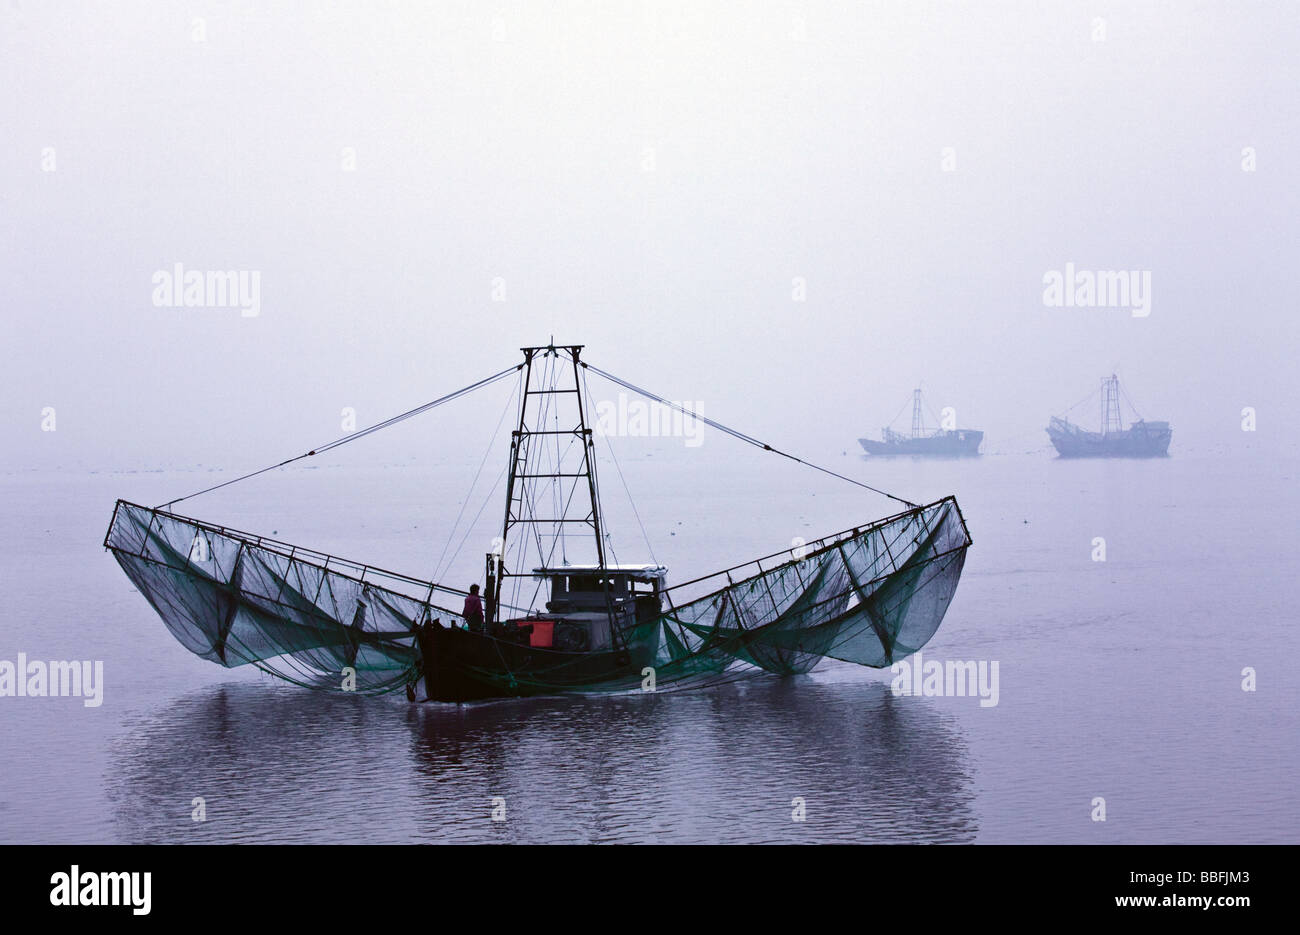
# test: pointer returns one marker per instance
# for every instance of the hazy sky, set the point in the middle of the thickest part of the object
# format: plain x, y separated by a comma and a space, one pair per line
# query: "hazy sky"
658, 181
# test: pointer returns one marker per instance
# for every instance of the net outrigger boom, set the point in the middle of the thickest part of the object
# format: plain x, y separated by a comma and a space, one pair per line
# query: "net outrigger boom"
870, 595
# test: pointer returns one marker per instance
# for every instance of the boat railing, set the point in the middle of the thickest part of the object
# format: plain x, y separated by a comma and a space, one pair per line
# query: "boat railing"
332, 564
679, 594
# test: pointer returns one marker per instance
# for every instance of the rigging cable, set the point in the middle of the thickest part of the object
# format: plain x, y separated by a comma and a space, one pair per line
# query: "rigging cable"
937, 420
361, 433
1128, 399
740, 435
474, 522
1084, 400
627, 490
891, 422
437, 567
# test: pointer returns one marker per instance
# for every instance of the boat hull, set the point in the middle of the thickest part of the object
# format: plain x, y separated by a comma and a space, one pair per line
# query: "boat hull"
957, 443
462, 665
1143, 440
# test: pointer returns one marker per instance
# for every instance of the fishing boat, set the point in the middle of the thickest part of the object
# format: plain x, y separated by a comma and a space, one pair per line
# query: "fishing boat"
1142, 439
870, 594
923, 441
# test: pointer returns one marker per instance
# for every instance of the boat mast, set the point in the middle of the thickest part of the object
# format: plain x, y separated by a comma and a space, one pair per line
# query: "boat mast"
1111, 420
588, 457
519, 511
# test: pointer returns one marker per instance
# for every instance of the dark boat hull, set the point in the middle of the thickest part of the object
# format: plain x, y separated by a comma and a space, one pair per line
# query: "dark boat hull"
462, 665
949, 444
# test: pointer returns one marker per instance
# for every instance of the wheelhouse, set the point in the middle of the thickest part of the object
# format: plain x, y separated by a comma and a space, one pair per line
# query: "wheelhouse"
593, 587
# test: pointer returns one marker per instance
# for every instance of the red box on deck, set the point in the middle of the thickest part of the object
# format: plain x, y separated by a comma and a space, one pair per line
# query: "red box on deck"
543, 634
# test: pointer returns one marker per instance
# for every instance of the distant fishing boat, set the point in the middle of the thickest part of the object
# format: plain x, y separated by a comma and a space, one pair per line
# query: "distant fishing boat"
1142, 439
559, 612
940, 442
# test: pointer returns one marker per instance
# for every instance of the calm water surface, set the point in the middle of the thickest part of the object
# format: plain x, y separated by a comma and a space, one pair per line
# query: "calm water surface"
1118, 679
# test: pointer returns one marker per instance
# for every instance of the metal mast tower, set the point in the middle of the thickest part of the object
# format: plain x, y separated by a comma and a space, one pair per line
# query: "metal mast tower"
1111, 420
540, 404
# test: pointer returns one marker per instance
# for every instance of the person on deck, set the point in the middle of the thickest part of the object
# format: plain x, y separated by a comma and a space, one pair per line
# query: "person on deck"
473, 612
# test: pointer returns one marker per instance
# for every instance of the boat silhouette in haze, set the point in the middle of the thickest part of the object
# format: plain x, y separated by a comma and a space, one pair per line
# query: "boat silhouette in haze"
1142, 439
924, 442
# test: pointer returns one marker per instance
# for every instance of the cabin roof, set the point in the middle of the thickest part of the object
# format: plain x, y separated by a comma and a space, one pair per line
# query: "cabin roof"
638, 572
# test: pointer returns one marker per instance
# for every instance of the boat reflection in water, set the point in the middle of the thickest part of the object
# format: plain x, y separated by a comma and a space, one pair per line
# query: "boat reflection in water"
727, 764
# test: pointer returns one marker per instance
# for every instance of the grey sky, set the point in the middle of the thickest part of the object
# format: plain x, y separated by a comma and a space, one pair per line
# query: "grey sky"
651, 180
